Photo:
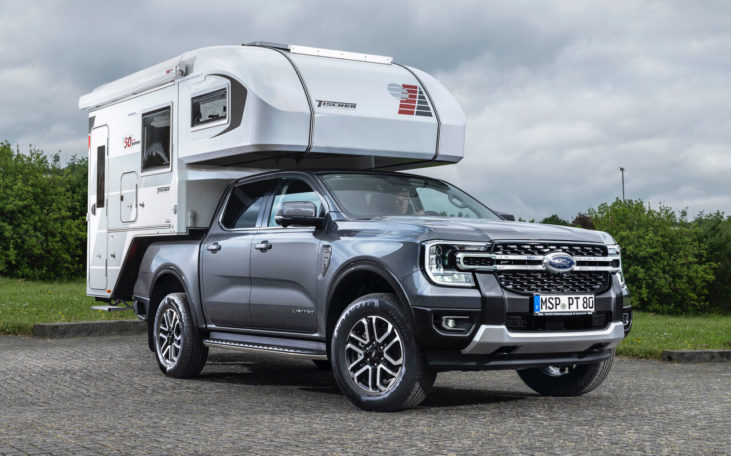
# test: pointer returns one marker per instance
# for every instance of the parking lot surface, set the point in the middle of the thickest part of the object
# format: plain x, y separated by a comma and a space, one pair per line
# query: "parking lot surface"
105, 395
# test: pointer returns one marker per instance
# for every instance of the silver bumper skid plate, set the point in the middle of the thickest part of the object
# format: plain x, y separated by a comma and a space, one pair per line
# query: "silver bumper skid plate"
490, 338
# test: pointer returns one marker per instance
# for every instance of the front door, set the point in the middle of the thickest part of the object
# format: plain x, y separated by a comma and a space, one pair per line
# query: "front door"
284, 267
97, 204
225, 256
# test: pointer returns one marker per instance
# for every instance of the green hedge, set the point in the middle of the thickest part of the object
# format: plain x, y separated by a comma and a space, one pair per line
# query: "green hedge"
42, 215
664, 256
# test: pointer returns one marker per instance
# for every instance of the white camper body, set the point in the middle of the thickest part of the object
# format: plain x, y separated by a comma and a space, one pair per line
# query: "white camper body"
166, 141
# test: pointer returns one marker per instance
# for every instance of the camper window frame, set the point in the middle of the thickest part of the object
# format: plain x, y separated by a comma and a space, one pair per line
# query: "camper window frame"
226, 87
157, 169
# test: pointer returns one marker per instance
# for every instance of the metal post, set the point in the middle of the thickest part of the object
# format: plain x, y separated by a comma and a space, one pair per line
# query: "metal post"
622, 170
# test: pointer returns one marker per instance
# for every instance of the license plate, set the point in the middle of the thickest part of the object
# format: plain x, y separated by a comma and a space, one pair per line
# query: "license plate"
563, 304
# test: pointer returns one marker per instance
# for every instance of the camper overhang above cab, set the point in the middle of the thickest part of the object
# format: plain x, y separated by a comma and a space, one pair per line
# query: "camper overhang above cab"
265, 105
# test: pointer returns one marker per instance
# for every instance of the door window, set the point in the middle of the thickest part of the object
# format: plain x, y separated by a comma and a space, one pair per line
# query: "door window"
243, 205
293, 190
101, 156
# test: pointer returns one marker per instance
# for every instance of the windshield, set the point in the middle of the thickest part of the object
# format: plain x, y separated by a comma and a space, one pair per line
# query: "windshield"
375, 195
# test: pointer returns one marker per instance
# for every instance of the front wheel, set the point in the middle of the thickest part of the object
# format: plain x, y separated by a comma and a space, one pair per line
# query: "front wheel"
573, 380
178, 344
375, 357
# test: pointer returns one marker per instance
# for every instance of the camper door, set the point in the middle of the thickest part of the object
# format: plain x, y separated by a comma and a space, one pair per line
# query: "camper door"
97, 215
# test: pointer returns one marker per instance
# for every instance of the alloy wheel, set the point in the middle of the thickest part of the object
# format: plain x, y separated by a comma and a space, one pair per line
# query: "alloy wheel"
374, 354
169, 337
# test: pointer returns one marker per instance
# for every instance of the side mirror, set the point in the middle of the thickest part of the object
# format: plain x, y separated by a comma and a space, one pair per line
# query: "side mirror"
302, 213
506, 216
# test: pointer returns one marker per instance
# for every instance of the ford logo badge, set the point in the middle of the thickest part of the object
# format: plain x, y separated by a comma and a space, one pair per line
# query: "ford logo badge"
559, 262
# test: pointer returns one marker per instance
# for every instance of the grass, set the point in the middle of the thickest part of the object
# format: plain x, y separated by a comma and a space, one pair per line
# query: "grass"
23, 303
651, 334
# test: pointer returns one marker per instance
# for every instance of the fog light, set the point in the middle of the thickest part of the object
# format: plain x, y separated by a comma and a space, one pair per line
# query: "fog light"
456, 323
625, 318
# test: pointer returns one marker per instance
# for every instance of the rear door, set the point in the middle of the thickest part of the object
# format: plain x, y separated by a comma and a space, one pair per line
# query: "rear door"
225, 256
97, 204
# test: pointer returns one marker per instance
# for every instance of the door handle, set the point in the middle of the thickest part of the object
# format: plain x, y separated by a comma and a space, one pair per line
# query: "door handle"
215, 247
263, 246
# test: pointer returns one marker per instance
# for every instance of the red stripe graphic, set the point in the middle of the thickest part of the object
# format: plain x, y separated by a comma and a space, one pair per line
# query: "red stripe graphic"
408, 104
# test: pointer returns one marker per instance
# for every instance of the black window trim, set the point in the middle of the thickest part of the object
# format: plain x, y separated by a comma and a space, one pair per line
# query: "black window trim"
156, 169
213, 122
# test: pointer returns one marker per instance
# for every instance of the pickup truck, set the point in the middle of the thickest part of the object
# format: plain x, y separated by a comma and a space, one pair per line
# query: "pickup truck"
387, 278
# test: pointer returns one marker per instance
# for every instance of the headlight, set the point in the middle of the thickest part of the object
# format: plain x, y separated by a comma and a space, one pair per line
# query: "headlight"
615, 251
440, 265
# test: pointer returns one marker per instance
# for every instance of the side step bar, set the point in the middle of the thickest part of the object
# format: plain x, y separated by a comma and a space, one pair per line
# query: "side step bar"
274, 345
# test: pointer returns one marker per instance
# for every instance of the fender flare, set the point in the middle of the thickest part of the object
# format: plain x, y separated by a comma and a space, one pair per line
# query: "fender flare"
171, 269
377, 268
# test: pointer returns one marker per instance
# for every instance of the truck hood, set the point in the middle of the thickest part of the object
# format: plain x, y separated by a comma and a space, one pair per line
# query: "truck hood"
485, 230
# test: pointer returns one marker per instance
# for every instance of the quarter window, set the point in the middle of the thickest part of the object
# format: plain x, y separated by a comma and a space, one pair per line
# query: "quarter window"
156, 139
208, 108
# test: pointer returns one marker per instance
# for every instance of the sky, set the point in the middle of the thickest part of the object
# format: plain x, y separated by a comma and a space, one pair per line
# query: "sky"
557, 95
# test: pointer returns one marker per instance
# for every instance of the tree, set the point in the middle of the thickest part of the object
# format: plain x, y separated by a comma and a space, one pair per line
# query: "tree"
663, 256
555, 220
582, 221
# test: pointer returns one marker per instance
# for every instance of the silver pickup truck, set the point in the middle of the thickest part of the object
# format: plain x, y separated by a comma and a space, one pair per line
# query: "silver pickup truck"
388, 279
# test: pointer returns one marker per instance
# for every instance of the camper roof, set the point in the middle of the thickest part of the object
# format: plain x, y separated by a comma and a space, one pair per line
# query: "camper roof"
304, 102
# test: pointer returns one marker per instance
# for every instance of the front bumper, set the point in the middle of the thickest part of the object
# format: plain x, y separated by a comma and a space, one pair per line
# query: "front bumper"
497, 338
501, 332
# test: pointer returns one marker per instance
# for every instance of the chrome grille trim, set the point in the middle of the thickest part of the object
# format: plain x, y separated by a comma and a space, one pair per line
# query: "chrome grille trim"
461, 256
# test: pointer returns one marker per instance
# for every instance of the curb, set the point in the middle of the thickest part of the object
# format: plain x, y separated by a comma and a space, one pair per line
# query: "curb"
697, 356
89, 328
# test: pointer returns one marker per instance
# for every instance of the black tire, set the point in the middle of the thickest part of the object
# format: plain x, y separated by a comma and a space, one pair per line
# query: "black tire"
190, 351
323, 364
413, 379
567, 381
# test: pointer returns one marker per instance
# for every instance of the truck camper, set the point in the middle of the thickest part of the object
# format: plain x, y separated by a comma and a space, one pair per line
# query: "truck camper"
166, 141
252, 198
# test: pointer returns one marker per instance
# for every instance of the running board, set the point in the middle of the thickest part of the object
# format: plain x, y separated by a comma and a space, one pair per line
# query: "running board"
275, 345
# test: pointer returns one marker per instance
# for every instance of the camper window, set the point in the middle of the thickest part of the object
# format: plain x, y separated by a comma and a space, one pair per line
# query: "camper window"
208, 108
156, 139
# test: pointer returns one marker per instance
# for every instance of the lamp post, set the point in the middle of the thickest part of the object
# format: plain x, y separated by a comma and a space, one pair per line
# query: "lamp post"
621, 169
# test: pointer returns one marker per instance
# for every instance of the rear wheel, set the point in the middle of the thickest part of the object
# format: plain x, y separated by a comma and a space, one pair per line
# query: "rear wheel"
573, 380
376, 361
179, 347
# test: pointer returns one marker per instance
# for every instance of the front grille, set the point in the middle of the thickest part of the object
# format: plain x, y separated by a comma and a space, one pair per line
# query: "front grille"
544, 248
528, 282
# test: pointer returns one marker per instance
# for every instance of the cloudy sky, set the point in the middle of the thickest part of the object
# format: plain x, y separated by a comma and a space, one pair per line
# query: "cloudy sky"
557, 95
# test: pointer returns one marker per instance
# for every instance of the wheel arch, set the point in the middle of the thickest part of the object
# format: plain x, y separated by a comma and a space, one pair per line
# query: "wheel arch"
359, 278
167, 279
